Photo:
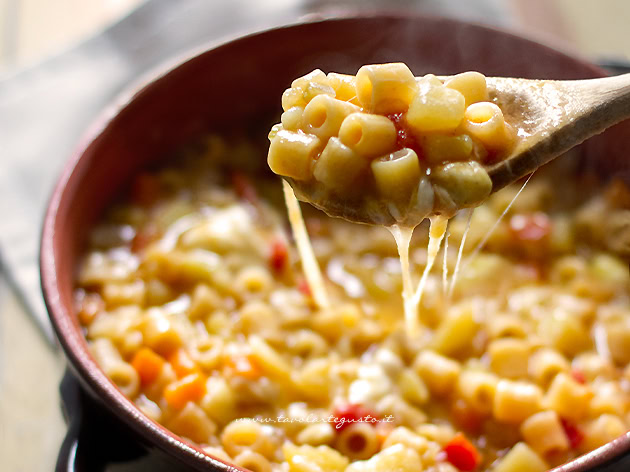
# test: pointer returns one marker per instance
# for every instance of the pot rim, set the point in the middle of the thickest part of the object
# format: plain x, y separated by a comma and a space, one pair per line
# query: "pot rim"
72, 340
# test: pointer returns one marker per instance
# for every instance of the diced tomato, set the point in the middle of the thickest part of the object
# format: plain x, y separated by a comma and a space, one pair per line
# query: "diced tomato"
578, 376
573, 432
530, 227
348, 414
145, 190
404, 138
466, 417
279, 255
304, 288
244, 188
461, 453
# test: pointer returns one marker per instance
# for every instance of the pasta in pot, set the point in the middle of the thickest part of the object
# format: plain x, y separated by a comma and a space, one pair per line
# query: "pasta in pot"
202, 316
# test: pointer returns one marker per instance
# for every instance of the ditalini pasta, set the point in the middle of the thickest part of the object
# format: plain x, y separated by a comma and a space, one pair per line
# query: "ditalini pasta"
395, 151
195, 303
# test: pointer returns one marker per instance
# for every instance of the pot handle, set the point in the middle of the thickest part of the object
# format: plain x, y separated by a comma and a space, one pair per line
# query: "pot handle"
93, 439
72, 410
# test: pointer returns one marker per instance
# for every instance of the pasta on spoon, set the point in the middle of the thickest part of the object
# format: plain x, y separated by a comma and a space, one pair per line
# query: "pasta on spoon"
386, 148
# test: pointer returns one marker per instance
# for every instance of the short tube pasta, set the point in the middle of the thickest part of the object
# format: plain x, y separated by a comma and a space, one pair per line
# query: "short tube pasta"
544, 433
122, 373
397, 174
292, 154
485, 122
472, 85
385, 88
478, 389
338, 166
516, 401
568, 398
368, 135
253, 461
358, 441
439, 372
323, 115
545, 364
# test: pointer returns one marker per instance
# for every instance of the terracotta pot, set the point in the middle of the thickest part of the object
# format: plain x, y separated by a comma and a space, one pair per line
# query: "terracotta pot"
236, 83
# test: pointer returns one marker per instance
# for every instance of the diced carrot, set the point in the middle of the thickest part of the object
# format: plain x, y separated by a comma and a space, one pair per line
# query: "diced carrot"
573, 432
191, 388
279, 255
461, 453
244, 188
243, 366
182, 364
466, 417
145, 190
530, 227
148, 364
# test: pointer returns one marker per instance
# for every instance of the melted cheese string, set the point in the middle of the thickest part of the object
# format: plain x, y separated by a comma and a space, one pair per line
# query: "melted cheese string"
411, 299
437, 230
459, 254
445, 267
485, 239
309, 263
402, 236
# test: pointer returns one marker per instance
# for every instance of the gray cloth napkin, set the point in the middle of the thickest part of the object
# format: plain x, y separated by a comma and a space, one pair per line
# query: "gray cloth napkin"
45, 109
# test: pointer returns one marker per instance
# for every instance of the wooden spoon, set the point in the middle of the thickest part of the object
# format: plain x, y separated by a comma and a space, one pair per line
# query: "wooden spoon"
552, 116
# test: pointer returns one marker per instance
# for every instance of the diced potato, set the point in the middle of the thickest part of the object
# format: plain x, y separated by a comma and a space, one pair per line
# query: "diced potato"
436, 108
412, 388
316, 76
521, 458
397, 174
467, 183
313, 459
456, 332
291, 119
565, 332
618, 340
396, 458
